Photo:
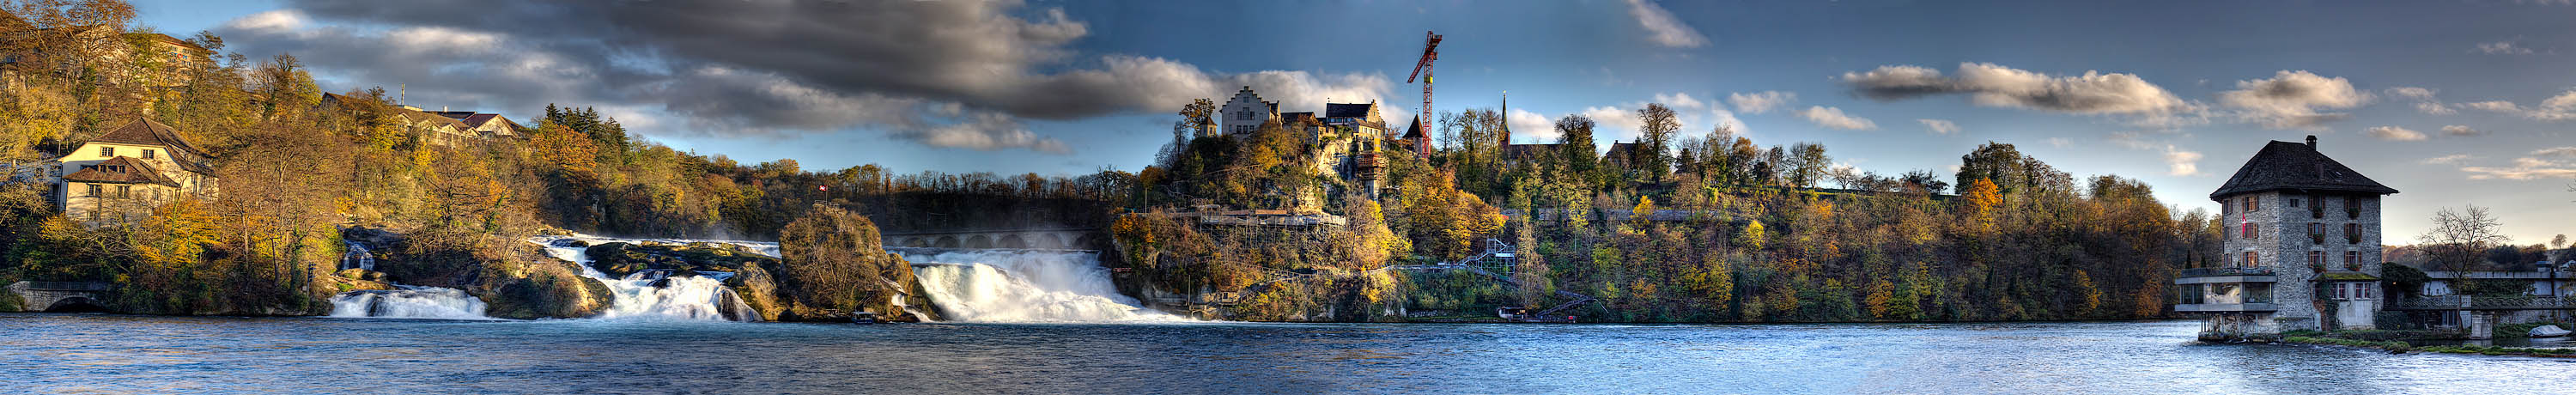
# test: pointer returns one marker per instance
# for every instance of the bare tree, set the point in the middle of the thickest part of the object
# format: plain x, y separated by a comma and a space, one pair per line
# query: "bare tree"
2459, 239
1658, 124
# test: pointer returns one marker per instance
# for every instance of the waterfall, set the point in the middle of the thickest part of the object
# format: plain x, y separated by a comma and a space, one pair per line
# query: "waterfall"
408, 302
1025, 286
657, 293
358, 257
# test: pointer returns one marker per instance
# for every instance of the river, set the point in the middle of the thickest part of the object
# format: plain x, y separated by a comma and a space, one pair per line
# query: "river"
88, 353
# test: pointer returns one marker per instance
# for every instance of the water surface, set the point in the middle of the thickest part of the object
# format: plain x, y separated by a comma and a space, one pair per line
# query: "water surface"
58, 353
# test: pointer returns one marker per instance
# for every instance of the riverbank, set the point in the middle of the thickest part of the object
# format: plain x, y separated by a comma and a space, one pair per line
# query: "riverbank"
2432, 341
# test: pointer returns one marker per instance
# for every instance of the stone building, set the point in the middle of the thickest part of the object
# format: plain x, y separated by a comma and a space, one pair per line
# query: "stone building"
2302, 246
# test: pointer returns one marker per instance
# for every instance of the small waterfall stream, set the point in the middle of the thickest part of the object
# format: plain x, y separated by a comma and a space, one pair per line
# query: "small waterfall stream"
408, 302
660, 294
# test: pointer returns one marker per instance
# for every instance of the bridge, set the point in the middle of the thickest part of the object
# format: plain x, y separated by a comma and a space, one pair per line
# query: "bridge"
59, 296
2483, 312
1044, 238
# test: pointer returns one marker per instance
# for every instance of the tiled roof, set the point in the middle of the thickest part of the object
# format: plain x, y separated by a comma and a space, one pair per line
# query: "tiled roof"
121, 170
146, 132
1348, 110
1414, 130
2283, 165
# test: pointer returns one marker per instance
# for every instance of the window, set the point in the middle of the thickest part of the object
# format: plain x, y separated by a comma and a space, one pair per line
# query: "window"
2369, 290
94, 190
2252, 260
2294, 202
2316, 257
1245, 115
124, 191
2253, 204
2248, 231
2352, 257
2343, 290
107, 151
2316, 233
2351, 207
147, 154
2352, 233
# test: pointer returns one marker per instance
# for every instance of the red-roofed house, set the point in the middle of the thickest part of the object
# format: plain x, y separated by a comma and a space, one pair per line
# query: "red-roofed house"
124, 174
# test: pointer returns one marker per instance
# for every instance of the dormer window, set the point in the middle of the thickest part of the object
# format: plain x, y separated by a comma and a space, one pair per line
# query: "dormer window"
147, 154
107, 151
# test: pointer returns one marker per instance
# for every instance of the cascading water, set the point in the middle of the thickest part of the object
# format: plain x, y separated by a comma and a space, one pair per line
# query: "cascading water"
1025, 286
659, 293
408, 302
358, 258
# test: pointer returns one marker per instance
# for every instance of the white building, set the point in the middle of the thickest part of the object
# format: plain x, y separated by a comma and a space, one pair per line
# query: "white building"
1245, 113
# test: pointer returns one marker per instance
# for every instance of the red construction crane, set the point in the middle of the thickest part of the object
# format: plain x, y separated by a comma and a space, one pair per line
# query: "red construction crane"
1422, 69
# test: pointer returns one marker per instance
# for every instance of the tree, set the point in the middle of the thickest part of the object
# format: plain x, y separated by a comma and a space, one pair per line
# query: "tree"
1809, 164
1982, 198
1658, 124
834, 266
2459, 239
1574, 135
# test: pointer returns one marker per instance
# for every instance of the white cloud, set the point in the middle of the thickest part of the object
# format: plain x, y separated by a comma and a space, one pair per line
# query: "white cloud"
2461, 131
1761, 102
2181, 163
2411, 92
1835, 118
1662, 28
1726, 118
2562, 152
2503, 48
2060, 142
1613, 119
1940, 126
2447, 160
2290, 99
2556, 108
2525, 169
2392, 133
1679, 101
1531, 127
2434, 108
1997, 86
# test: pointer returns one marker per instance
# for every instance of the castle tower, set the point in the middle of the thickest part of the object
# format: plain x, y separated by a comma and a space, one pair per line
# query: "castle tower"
2301, 249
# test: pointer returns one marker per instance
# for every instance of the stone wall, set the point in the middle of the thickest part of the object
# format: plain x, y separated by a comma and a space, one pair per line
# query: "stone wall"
2281, 242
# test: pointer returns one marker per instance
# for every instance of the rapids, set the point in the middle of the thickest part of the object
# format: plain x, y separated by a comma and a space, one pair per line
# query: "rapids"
1024, 286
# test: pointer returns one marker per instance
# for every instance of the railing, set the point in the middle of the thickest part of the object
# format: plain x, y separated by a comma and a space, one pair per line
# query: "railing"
2226, 271
2466, 302
66, 286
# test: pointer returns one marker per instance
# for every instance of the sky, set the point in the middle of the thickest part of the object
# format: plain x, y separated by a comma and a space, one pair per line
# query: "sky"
2453, 103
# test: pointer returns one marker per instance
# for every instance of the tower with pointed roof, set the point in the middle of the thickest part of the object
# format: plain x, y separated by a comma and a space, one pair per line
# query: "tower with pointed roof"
2301, 248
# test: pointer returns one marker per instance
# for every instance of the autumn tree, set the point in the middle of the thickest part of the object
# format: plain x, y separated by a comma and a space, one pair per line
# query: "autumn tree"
1657, 123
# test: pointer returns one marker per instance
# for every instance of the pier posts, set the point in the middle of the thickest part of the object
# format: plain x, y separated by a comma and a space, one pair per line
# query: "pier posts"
2481, 325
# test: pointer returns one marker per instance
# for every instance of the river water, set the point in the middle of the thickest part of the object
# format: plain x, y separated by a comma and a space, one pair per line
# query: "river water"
71, 353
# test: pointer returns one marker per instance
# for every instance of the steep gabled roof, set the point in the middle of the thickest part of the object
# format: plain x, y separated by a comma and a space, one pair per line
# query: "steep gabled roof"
1415, 130
2283, 165
1349, 110
146, 132
121, 170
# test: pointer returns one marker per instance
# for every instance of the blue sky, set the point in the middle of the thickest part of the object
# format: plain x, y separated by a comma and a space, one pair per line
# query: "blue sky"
2448, 101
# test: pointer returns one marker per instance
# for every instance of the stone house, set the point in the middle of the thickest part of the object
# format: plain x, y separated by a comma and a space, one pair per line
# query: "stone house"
1245, 113
2302, 245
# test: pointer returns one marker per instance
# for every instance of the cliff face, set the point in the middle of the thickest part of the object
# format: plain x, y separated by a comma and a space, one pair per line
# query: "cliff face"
515, 279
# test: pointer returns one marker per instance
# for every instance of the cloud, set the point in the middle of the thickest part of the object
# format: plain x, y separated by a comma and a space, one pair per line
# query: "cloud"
2424, 101
1761, 102
959, 74
1679, 101
2290, 99
2503, 48
2060, 142
2392, 133
2524, 169
1662, 28
2181, 163
1940, 126
2555, 108
1834, 118
1611, 118
1531, 126
2562, 152
2446, 160
2461, 131
1997, 86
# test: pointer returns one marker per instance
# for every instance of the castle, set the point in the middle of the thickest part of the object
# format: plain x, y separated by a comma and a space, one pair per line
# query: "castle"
2302, 246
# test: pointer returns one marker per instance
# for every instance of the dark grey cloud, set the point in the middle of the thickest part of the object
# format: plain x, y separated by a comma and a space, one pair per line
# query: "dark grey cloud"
944, 73
1998, 86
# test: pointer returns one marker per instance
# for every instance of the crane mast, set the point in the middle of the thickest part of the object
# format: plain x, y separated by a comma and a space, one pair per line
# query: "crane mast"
1422, 70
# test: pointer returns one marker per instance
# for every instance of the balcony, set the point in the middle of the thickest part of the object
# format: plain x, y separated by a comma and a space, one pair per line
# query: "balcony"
2224, 308
2207, 275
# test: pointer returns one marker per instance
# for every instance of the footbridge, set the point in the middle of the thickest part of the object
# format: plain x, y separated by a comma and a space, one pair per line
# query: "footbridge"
1040, 238
59, 296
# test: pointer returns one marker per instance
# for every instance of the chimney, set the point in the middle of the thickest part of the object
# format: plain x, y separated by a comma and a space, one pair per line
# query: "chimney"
2312, 142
